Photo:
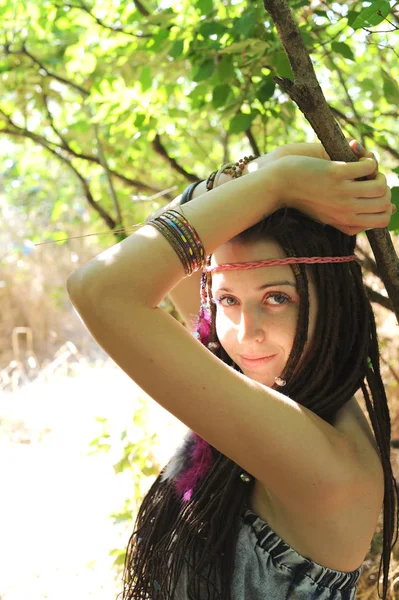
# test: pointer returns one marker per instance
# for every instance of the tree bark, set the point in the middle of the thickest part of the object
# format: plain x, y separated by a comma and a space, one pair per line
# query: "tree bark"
306, 92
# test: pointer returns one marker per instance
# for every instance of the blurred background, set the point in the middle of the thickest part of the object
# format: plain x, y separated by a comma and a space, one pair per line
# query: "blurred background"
108, 110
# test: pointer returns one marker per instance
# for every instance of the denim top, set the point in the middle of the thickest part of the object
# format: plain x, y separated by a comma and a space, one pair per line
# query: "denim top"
267, 568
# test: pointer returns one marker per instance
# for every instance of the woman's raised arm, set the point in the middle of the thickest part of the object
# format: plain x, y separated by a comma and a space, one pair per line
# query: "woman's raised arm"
185, 295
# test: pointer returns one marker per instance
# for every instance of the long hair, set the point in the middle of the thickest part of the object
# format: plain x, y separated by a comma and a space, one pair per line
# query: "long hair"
190, 517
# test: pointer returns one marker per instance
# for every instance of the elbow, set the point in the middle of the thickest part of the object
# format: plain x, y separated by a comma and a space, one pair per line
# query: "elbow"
75, 287
72, 283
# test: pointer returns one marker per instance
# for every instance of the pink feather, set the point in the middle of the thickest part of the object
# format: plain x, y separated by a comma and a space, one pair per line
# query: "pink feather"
203, 326
201, 463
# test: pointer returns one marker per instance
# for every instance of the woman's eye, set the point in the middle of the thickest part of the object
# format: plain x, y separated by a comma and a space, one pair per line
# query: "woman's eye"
221, 299
280, 299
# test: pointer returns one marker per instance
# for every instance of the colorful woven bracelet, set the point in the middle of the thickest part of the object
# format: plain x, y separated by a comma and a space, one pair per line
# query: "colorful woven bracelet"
184, 237
181, 233
188, 233
192, 230
169, 234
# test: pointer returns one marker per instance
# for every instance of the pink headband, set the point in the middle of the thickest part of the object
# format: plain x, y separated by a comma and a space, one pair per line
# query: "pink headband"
279, 261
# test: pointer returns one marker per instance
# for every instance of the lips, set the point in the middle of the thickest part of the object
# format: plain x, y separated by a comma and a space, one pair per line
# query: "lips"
257, 357
253, 363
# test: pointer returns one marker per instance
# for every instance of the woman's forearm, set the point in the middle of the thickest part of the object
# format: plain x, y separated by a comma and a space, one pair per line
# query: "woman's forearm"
144, 267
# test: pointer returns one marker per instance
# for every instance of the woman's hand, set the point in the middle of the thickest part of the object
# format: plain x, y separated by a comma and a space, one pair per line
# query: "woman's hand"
327, 191
313, 150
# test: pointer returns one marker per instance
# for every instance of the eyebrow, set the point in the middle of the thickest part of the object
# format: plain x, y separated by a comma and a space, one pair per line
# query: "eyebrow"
262, 287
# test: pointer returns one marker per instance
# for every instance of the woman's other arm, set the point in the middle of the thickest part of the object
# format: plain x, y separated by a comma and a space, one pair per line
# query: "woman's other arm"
186, 294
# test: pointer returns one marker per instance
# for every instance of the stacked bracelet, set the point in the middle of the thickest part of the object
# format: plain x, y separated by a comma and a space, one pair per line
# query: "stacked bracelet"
185, 241
177, 229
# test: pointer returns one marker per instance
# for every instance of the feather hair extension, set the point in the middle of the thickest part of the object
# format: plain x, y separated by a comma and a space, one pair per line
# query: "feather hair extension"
201, 463
180, 459
202, 327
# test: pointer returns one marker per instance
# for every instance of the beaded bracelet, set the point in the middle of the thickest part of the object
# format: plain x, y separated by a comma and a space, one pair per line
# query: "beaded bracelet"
174, 226
233, 169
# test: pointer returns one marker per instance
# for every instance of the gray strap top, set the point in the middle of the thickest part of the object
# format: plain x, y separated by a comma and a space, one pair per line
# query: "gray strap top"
267, 568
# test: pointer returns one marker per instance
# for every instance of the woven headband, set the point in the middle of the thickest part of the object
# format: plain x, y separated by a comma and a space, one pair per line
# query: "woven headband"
279, 261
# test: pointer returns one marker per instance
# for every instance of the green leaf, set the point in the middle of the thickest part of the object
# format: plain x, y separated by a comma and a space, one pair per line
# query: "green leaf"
205, 6
177, 49
299, 4
139, 120
283, 67
372, 15
391, 88
394, 222
396, 170
145, 79
246, 23
220, 95
155, 44
321, 13
241, 122
119, 561
212, 28
58, 209
205, 70
226, 69
343, 49
266, 88
5, 66
352, 16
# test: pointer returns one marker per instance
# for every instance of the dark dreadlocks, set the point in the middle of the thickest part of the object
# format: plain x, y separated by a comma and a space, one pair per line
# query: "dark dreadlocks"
343, 359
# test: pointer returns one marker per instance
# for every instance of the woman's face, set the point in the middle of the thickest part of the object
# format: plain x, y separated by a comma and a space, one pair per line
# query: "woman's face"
257, 311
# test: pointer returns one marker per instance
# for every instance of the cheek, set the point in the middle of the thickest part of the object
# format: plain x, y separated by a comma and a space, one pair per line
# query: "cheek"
223, 326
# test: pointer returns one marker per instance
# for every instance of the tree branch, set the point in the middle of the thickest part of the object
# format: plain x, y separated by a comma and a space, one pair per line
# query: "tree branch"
378, 298
348, 96
108, 220
83, 7
307, 93
20, 131
396, 376
67, 82
160, 149
252, 142
367, 134
140, 7
107, 172
53, 126
367, 262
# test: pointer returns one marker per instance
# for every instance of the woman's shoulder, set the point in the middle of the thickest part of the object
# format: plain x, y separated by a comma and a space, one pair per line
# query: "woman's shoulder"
352, 422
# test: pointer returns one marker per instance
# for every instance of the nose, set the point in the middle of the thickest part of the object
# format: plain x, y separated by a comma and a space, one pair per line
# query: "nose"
251, 326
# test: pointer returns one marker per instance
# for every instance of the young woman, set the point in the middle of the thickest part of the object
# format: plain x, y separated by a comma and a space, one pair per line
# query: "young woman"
277, 488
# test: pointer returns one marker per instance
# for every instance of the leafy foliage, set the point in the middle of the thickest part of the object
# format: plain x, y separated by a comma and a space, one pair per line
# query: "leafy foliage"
126, 100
